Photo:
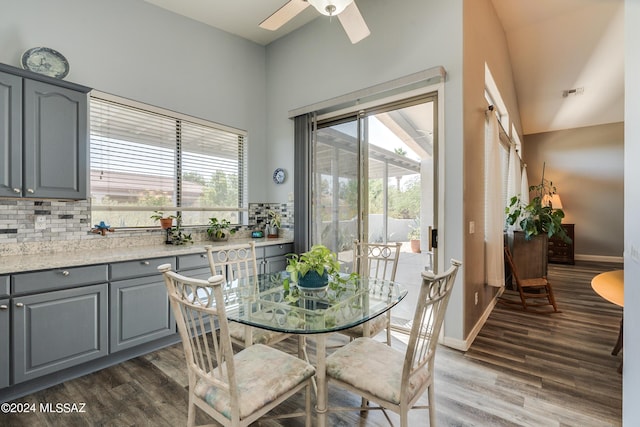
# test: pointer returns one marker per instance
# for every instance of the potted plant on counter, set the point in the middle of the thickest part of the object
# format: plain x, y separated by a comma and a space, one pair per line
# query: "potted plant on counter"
219, 229
275, 220
166, 221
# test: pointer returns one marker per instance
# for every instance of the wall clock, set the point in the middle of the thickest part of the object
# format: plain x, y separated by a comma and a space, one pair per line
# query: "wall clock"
43, 60
279, 176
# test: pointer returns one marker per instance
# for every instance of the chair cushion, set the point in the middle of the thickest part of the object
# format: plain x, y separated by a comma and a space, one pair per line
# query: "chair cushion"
263, 374
259, 336
374, 367
376, 325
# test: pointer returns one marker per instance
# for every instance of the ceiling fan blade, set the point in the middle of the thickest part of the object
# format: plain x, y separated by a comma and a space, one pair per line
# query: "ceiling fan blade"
284, 14
353, 23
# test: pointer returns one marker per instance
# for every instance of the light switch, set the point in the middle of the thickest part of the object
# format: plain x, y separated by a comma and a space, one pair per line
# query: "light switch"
472, 227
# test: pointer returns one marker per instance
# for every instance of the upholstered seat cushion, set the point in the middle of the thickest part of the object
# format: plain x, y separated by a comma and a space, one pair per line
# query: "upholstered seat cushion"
259, 336
354, 363
376, 325
263, 374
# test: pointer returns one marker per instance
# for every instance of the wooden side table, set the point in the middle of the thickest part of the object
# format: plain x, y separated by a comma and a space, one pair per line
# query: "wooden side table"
610, 286
560, 251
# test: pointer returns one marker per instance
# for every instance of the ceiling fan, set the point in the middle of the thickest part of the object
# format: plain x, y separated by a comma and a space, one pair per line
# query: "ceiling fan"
346, 10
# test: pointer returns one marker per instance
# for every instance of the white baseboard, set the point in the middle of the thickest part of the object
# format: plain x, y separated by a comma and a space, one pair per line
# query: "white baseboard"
463, 345
599, 258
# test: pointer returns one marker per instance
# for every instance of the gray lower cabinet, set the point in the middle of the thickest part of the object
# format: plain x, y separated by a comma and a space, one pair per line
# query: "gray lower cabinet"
274, 259
139, 307
4, 343
57, 330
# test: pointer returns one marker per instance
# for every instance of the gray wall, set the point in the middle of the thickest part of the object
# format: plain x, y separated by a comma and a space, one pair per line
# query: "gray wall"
484, 42
317, 62
139, 51
587, 167
631, 372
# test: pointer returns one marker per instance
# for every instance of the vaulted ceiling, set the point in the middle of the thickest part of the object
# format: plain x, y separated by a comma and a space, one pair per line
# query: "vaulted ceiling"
555, 46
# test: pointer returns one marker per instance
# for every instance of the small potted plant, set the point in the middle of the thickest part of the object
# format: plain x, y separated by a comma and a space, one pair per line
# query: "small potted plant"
312, 269
414, 236
219, 229
275, 220
166, 221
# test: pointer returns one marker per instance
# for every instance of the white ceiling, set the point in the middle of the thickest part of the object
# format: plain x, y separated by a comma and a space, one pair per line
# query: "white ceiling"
554, 45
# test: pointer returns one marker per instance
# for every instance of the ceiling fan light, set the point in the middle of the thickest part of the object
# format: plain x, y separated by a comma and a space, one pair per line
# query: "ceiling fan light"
330, 7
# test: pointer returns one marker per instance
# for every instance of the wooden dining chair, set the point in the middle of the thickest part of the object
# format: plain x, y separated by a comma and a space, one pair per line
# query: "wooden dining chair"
235, 390
391, 378
533, 292
235, 262
379, 261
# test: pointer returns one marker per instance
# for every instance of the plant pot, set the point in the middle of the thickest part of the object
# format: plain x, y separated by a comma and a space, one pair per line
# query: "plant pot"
220, 236
313, 281
166, 223
271, 231
529, 256
415, 246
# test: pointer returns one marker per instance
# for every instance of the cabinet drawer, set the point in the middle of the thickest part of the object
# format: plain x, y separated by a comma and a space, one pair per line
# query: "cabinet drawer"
60, 278
278, 250
138, 268
4, 286
188, 262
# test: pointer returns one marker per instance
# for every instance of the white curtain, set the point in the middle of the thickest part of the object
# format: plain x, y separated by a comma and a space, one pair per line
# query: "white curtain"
524, 186
514, 180
494, 258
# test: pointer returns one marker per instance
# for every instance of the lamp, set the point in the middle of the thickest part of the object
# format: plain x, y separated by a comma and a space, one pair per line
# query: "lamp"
330, 7
553, 201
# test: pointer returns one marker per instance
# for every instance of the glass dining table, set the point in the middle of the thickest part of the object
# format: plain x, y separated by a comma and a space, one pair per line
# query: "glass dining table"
269, 301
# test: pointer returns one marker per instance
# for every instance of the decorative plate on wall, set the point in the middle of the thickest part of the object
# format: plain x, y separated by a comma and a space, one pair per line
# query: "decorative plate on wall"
44, 60
279, 176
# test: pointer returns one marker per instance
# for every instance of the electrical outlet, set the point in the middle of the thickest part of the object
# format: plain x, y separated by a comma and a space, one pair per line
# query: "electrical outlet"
41, 222
634, 253
476, 297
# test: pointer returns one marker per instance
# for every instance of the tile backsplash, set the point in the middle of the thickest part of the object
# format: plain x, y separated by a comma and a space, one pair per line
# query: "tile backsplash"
29, 226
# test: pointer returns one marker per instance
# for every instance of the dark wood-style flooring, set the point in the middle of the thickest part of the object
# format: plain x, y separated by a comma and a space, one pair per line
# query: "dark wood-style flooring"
522, 370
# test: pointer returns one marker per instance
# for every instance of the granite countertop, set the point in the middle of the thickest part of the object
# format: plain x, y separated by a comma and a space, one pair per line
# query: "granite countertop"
44, 261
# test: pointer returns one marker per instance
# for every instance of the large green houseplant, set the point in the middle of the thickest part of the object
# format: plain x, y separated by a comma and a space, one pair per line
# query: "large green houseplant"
537, 217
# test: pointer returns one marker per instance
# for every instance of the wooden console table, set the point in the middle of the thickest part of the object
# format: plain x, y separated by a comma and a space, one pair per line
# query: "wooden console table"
560, 251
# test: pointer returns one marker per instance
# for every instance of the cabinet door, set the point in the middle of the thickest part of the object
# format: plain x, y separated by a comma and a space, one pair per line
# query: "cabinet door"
55, 141
10, 135
4, 343
56, 330
140, 312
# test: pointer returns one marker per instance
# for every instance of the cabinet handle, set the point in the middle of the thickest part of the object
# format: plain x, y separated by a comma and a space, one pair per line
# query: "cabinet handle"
30, 190
144, 262
3, 307
19, 304
16, 190
65, 273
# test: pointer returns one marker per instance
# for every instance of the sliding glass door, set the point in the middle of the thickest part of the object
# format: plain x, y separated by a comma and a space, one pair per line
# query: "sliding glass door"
374, 180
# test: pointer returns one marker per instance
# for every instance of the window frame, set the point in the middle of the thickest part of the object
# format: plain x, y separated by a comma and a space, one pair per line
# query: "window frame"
176, 207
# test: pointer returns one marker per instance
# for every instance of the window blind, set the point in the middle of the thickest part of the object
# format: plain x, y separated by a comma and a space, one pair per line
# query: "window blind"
145, 160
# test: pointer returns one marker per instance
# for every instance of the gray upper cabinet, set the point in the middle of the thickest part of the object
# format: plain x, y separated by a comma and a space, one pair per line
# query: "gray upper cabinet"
10, 135
4, 343
45, 136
